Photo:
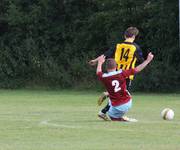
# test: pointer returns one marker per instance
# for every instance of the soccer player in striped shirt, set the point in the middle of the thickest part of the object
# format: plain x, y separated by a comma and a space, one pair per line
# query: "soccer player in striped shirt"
115, 83
126, 54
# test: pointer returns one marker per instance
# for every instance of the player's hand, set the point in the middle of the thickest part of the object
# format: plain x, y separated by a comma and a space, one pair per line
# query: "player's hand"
101, 59
150, 57
92, 62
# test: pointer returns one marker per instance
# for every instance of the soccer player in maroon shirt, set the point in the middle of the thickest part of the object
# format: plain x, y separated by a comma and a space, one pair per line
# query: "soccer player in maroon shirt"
115, 83
125, 54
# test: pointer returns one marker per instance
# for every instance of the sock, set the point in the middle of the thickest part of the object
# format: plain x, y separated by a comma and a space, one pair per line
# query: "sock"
105, 109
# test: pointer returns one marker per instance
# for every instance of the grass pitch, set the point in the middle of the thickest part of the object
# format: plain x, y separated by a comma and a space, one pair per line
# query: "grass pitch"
67, 120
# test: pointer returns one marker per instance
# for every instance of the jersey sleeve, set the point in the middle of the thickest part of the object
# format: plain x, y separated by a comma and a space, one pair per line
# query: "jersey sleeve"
139, 54
99, 75
127, 73
110, 53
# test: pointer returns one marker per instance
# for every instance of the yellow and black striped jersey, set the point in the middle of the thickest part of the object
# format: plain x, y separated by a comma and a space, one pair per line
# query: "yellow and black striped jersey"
125, 54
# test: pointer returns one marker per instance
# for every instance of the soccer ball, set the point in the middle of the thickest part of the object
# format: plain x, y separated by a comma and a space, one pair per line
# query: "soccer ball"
167, 114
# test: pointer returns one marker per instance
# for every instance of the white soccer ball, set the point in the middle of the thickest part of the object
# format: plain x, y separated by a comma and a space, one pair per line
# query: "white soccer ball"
167, 114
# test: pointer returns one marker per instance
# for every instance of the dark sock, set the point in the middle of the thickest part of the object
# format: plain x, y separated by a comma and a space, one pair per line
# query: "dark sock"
105, 109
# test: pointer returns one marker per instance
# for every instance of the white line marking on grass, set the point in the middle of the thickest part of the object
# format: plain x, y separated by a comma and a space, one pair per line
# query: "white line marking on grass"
94, 127
47, 123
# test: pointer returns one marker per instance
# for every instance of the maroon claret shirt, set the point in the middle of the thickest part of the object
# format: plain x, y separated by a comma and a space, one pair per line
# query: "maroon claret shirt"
115, 84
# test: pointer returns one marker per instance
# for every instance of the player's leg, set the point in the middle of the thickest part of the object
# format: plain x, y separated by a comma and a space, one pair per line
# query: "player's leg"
116, 113
103, 116
102, 113
128, 84
105, 109
102, 97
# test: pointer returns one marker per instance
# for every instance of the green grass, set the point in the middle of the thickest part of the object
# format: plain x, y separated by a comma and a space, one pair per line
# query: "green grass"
67, 120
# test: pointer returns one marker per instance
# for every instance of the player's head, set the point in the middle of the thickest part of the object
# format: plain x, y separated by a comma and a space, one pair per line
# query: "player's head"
111, 64
131, 32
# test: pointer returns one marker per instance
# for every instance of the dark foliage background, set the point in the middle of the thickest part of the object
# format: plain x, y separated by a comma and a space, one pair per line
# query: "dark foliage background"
48, 42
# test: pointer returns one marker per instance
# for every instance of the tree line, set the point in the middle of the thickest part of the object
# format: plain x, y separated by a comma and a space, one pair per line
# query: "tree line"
48, 43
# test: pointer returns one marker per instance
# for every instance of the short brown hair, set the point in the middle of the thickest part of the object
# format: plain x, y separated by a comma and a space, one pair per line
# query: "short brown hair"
111, 63
131, 31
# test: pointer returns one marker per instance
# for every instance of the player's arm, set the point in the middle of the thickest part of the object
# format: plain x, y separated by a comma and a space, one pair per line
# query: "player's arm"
108, 54
93, 62
100, 60
139, 68
145, 63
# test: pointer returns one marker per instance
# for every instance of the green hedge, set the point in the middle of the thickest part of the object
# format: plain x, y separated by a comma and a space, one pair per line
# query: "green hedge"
48, 43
